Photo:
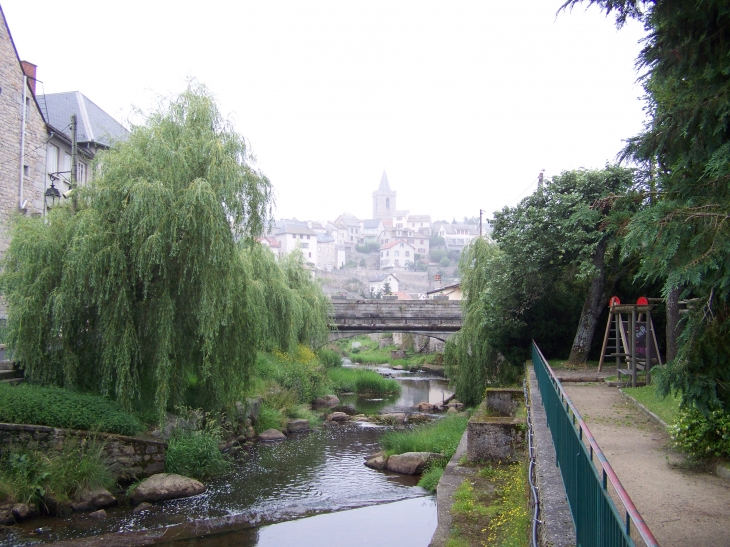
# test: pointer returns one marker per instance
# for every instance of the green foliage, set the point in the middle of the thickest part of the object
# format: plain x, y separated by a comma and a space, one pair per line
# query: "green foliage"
684, 151
441, 436
57, 407
436, 241
329, 358
269, 418
430, 478
352, 380
702, 435
667, 408
25, 475
472, 358
444, 262
369, 247
437, 255
142, 277
29, 476
78, 468
570, 232
195, 454
140, 291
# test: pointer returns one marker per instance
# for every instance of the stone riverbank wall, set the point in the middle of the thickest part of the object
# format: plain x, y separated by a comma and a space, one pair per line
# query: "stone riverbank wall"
130, 457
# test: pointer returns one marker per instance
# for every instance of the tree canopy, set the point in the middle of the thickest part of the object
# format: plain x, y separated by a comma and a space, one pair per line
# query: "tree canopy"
141, 291
684, 150
570, 229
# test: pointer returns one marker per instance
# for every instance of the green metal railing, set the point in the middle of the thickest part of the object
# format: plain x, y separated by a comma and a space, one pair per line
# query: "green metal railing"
598, 523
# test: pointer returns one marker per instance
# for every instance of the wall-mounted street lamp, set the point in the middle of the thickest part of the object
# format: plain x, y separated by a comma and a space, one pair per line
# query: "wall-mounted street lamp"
52, 195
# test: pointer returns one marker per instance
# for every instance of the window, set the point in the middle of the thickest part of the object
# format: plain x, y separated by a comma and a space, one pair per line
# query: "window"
395, 253
310, 255
421, 242
408, 253
396, 263
402, 244
81, 172
387, 253
381, 253
387, 203
26, 171
307, 237
52, 159
422, 251
304, 245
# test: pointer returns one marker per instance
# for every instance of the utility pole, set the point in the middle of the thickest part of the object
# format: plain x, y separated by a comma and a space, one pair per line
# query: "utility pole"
539, 180
74, 162
480, 222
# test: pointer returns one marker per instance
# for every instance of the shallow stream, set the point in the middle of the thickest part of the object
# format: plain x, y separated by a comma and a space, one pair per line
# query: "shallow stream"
313, 485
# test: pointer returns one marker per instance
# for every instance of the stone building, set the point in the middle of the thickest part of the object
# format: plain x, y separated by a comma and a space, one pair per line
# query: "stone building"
23, 136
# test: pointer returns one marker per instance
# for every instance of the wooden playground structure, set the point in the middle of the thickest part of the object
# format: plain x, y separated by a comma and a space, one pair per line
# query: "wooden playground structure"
631, 339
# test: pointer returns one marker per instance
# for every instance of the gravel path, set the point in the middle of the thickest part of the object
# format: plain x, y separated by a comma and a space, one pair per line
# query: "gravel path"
682, 506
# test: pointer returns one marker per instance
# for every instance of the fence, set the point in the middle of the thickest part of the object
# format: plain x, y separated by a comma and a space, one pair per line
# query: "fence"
598, 523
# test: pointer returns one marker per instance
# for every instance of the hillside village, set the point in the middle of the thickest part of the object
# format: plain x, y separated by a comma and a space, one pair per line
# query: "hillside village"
396, 252
50, 141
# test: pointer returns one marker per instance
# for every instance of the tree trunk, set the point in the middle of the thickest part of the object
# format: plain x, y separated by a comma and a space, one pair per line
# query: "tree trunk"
591, 309
672, 323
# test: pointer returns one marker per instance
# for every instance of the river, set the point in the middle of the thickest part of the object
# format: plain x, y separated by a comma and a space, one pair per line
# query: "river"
310, 488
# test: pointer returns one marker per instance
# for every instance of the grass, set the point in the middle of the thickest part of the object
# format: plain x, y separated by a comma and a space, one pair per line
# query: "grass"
353, 380
430, 478
491, 507
56, 407
441, 436
29, 476
667, 408
562, 364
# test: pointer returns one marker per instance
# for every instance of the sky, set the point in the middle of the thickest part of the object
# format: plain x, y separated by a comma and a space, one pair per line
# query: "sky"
462, 103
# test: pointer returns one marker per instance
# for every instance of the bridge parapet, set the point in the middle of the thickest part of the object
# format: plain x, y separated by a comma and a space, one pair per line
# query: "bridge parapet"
436, 318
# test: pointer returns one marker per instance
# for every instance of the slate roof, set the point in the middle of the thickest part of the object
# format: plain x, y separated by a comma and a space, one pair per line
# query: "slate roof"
93, 125
325, 238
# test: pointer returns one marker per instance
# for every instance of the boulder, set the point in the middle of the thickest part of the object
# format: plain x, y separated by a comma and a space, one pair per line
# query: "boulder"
253, 408
398, 367
424, 407
23, 511
99, 515
392, 419
338, 417
272, 435
350, 410
327, 400
377, 462
166, 486
419, 419
90, 500
55, 507
411, 463
297, 426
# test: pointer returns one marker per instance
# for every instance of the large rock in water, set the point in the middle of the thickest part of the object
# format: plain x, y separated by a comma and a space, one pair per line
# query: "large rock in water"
90, 500
326, 400
411, 463
297, 425
272, 435
166, 486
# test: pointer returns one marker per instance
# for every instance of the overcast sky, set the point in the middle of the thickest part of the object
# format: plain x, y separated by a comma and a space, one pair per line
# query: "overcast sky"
462, 103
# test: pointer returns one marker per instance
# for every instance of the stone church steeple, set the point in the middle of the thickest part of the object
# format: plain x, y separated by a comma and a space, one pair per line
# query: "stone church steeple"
384, 200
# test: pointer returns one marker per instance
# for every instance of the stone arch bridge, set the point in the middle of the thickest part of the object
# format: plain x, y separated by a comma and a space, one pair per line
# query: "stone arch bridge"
436, 318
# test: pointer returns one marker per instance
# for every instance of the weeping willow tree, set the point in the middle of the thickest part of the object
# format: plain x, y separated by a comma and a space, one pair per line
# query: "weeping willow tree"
473, 360
297, 309
139, 291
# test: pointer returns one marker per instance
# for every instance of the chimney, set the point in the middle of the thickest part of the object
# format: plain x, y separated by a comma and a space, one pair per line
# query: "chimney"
29, 69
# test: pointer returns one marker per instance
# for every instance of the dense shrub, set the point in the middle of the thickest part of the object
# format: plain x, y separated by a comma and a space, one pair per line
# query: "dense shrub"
329, 358
195, 454
56, 407
700, 435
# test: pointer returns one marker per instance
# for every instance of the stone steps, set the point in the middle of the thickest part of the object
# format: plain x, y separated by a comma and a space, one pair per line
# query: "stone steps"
8, 372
